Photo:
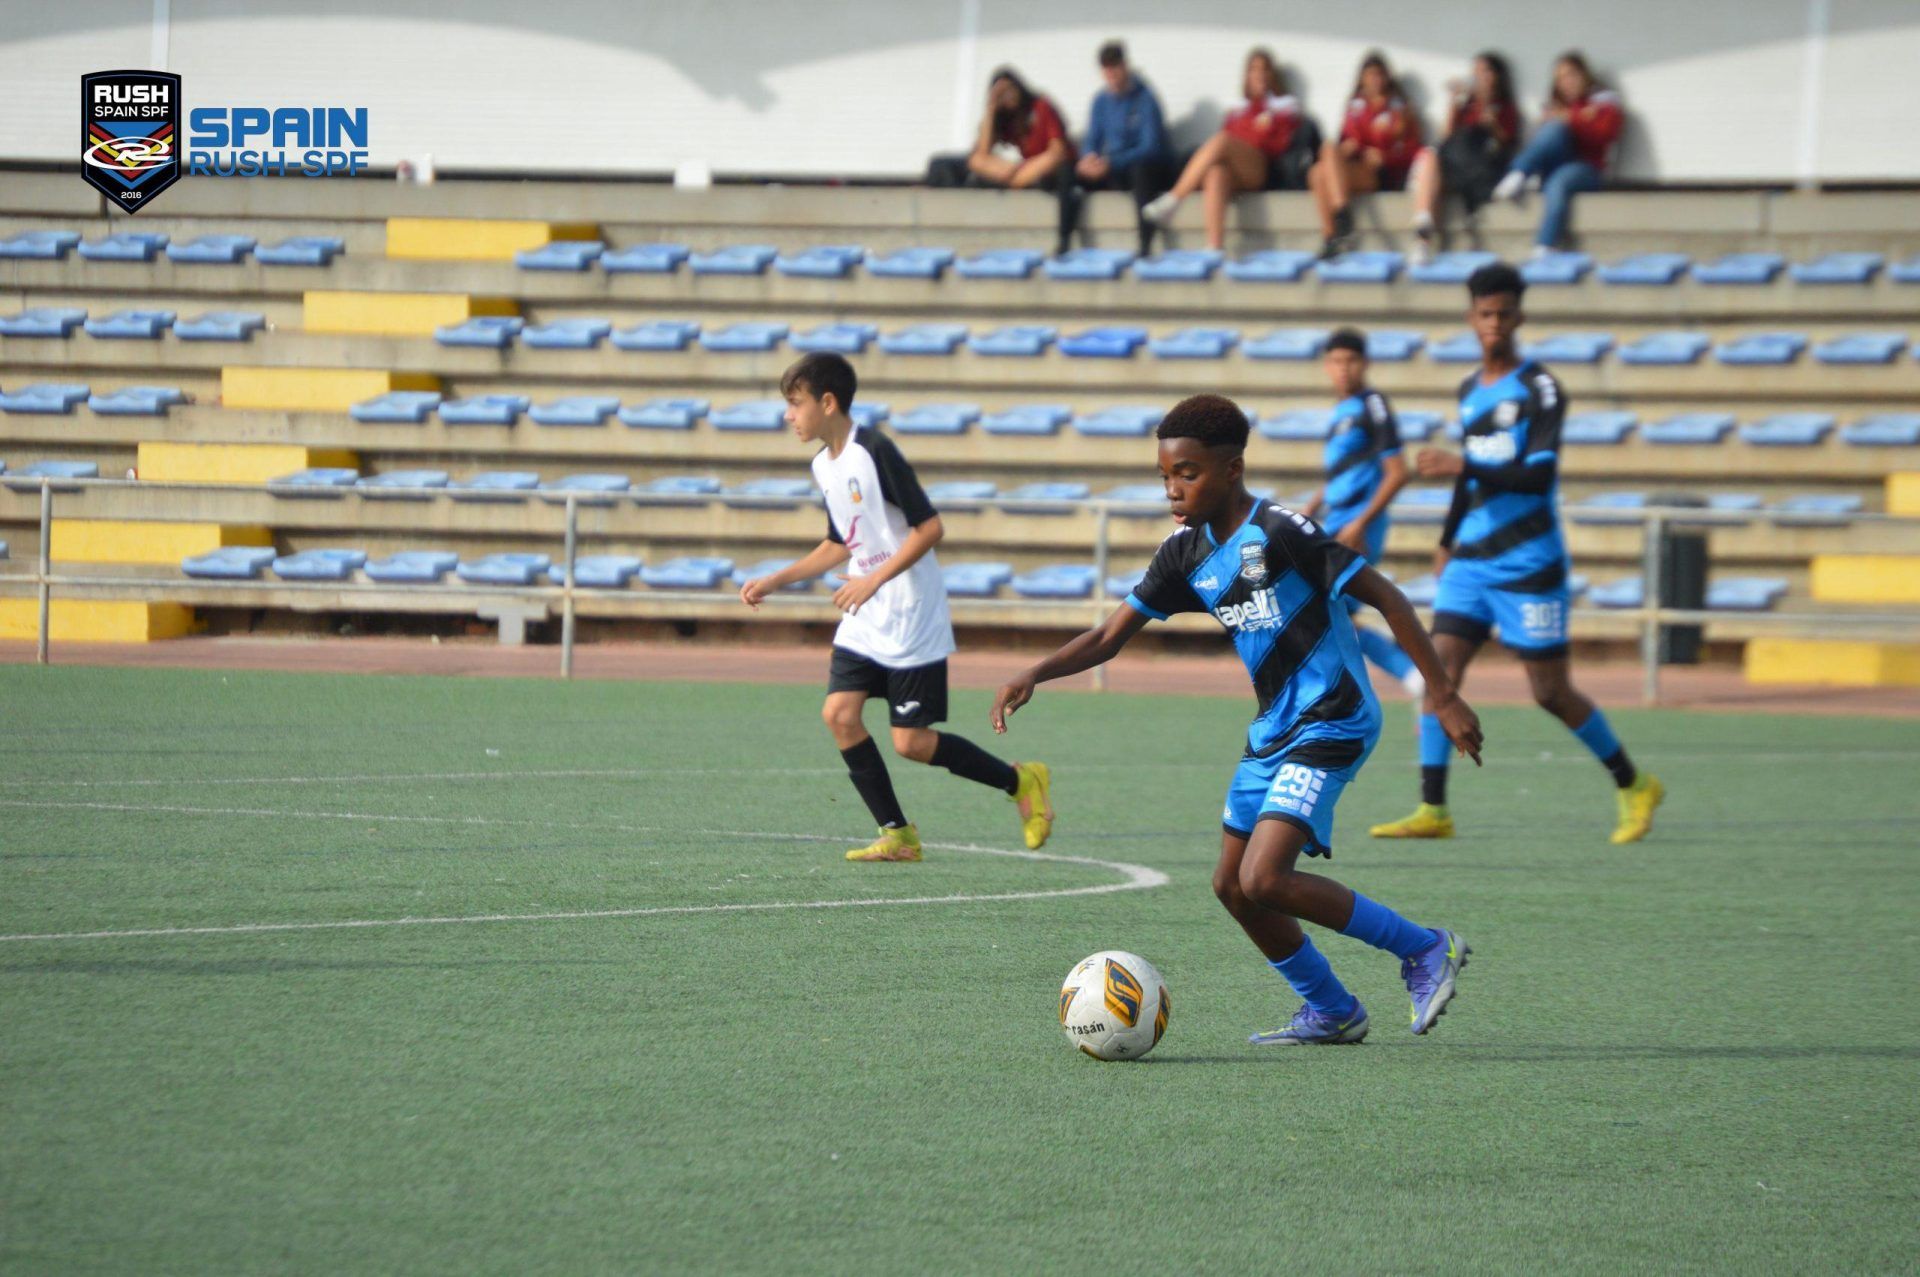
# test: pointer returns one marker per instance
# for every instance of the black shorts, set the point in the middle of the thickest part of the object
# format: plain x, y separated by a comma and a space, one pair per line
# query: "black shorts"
915, 697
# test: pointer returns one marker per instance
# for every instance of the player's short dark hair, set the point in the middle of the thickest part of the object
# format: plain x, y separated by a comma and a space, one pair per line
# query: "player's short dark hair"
1113, 54
1348, 339
1496, 278
1215, 420
821, 374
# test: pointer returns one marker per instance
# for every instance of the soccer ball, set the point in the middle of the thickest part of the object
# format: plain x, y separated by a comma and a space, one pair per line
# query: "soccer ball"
1114, 1005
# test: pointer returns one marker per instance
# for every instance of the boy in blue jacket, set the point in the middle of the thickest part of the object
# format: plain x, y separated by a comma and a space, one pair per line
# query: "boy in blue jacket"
1126, 148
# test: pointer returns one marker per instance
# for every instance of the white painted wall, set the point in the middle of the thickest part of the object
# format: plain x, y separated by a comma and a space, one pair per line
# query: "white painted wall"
1719, 90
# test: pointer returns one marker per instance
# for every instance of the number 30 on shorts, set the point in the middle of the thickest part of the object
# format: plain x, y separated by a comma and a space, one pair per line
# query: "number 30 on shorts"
1297, 787
1543, 618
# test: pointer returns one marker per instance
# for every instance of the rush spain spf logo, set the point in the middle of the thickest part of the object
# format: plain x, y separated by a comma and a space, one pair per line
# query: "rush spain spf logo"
130, 135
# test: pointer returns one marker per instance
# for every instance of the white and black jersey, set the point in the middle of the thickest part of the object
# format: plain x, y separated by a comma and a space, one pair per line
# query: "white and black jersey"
873, 500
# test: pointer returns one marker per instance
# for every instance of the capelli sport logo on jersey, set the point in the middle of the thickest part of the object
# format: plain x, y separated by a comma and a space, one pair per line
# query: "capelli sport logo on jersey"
1261, 612
129, 135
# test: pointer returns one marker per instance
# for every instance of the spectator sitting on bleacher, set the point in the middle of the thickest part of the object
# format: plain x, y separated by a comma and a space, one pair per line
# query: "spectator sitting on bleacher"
1015, 117
1568, 153
1483, 130
1374, 152
1253, 151
1126, 147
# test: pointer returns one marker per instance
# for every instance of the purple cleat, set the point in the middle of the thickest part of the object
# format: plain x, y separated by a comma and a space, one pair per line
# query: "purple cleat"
1430, 974
1313, 1028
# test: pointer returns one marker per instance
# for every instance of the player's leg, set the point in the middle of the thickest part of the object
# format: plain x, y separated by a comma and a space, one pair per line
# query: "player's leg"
851, 680
1462, 620
916, 700
1638, 792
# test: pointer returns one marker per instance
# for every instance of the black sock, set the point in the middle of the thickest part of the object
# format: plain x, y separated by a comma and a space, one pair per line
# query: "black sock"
1433, 786
964, 758
1622, 768
869, 774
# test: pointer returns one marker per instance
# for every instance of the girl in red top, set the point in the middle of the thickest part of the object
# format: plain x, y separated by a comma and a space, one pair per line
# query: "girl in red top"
1483, 131
1016, 116
1374, 151
1571, 149
1245, 155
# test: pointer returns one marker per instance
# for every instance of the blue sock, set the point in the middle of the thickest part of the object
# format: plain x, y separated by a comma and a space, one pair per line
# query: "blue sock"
1597, 735
1307, 971
1435, 751
1383, 651
1382, 928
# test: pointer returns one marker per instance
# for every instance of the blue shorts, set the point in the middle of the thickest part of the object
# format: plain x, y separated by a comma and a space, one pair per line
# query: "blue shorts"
1470, 605
1285, 788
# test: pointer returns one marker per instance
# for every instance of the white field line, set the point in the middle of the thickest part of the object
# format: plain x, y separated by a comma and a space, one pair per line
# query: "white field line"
1133, 877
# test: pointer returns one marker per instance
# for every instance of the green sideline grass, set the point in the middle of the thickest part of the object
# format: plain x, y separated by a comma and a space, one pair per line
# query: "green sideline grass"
1700, 1052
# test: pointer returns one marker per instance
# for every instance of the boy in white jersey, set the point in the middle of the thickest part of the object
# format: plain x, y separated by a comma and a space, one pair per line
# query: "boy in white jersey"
896, 635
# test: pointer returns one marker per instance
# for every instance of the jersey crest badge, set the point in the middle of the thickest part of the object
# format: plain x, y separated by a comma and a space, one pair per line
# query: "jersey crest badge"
1253, 564
1506, 413
853, 489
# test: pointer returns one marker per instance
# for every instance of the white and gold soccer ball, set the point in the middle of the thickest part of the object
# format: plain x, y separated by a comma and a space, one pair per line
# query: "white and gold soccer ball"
1114, 1005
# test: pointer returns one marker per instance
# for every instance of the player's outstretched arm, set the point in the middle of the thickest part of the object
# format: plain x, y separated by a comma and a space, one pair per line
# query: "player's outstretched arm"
828, 554
1096, 646
1443, 698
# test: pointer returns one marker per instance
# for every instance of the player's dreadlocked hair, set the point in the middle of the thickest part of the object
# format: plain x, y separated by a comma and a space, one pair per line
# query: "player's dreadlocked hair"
1215, 420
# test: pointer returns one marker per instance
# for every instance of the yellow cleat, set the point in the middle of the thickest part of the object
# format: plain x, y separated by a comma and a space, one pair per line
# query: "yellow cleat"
902, 844
1427, 821
1637, 802
1036, 807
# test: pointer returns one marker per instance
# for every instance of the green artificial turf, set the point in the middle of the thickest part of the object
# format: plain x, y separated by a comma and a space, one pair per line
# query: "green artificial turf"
1702, 1052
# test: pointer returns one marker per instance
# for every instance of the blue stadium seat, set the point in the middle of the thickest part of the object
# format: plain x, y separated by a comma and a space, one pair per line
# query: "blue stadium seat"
412, 406
1838, 268
867, 413
319, 565
1458, 348
1907, 272
962, 490
1372, 267
755, 414
1734, 502
213, 250
387, 482
1788, 430
494, 331
1669, 349
825, 261
1125, 583
137, 401
42, 321
1417, 424
1656, 269
1393, 345
840, 339
39, 245
1104, 343
1745, 593
1761, 349
484, 410
681, 489
975, 580
1450, 268
59, 470
503, 569
778, 494
129, 246
1571, 348
1817, 509
1606, 507
411, 567
221, 325
1130, 422
320, 481
1689, 428
562, 255
1056, 581
586, 489
919, 263
1136, 500
1089, 263
1287, 343
659, 334
1058, 497
301, 250
598, 571
1598, 427
1740, 268
1271, 266
644, 259
1026, 341
229, 563
1556, 268
1628, 591
1179, 265
767, 567
43, 397
1195, 343
1001, 264
1887, 430
937, 419
735, 259
1861, 348
748, 337
691, 573
1422, 505
1299, 425
134, 325
1027, 419
1422, 590
494, 485
574, 410
665, 414
566, 334
924, 339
